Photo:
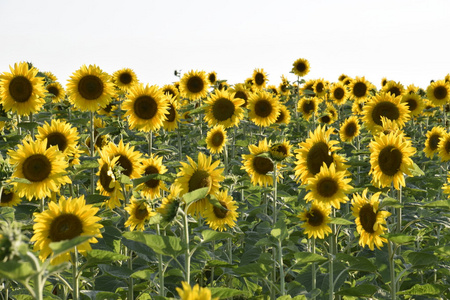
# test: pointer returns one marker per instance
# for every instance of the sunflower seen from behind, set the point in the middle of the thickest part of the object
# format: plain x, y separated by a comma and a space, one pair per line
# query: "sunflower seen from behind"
44, 168
370, 221
385, 105
124, 79
196, 175
349, 129
139, 213
21, 91
316, 220
65, 220
194, 85
300, 67
222, 108
216, 139
145, 108
390, 159
90, 88
433, 137
438, 92
223, 217
263, 108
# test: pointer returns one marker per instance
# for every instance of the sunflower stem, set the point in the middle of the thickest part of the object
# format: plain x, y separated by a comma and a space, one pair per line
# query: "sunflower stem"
313, 267
225, 158
391, 250
187, 253
92, 146
38, 287
75, 275
160, 267
399, 210
150, 142
331, 255
180, 153
30, 120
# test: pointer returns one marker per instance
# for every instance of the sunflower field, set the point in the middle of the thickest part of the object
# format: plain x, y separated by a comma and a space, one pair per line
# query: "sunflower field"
202, 189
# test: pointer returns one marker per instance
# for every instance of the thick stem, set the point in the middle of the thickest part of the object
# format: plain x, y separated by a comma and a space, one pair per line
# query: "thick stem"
313, 267
92, 146
150, 142
331, 255
75, 275
38, 287
275, 187
280, 261
160, 268
187, 253
391, 250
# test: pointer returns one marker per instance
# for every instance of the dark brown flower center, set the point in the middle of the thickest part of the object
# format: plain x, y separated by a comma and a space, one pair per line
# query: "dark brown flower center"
259, 79
319, 87
325, 119
171, 114
195, 84
65, 227
360, 89
141, 212
263, 108
220, 213
126, 164
152, 183
241, 95
145, 107
20, 89
390, 160
447, 146
350, 129
338, 93
53, 90
125, 78
395, 90
7, 196
327, 187
301, 67
105, 179
212, 78
90, 87
57, 139
385, 109
440, 92
315, 217
217, 139
281, 117
199, 179
223, 109
262, 165
367, 218
411, 103
317, 155
36, 167
434, 140
308, 107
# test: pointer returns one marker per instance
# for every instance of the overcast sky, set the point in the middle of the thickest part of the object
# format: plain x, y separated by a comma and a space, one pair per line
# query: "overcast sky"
404, 40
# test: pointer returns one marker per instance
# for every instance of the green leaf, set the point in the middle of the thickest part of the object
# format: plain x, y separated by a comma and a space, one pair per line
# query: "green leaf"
399, 238
422, 259
28, 125
97, 256
20, 180
390, 202
425, 290
106, 295
439, 204
308, 257
415, 170
124, 179
362, 290
156, 176
212, 235
165, 245
195, 195
357, 263
254, 269
223, 292
87, 164
67, 245
143, 274
341, 221
121, 272
18, 271
280, 231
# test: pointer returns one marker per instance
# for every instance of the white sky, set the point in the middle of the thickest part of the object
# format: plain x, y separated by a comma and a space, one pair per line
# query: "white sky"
404, 40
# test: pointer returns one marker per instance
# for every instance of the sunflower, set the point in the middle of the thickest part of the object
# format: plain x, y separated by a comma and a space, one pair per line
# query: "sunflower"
360, 88
300, 67
349, 129
385, 105
197, 292
272, 89
369, 220
56, 91
9, 198
222, 108
444, 147
308, 89
314, 152
171, 90
308, 106
280, 151
414, 103
152, 187
172, 117
21, 91
107, 182
194, 85
394, 88
412, 89
433, 138
90, 88
358, 106
219, 217
390, 159
258, 165
428, 109
263, 108
61, 134
316, 221
259, 78
169, 205
328, 187
284, 86
64, 221
50, 76
384, 81
145, 108
438, 92
44, 168
124, 79
139, 212
193, 176
129, 160
240, 91
320, 87
212, 77
338, 93
284, 117
216, 139
223, 85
